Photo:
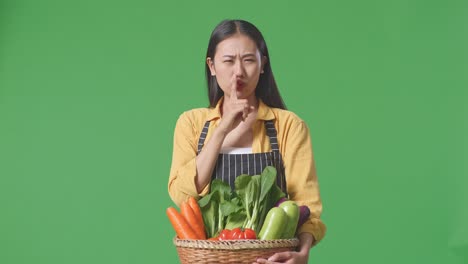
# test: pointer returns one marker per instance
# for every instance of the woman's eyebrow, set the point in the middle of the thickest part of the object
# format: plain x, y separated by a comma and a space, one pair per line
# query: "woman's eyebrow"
243, 56
248, 55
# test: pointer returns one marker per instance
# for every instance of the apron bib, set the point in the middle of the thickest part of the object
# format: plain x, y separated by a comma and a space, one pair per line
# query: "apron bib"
229, 166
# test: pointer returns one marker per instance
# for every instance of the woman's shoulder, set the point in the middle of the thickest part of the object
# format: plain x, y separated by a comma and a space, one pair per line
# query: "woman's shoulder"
195, 115
287, 117
195, 112
290, 125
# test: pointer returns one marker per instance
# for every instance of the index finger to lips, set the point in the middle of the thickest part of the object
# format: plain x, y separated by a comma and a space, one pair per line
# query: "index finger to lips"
234, 90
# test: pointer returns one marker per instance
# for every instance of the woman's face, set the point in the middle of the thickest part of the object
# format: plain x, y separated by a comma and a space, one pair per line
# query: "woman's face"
237, 62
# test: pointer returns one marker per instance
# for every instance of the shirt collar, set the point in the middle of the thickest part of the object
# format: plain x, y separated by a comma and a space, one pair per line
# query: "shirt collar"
264, 112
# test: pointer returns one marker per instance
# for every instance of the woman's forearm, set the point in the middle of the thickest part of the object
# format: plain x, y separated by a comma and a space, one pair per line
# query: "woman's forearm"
207, 158
306, 241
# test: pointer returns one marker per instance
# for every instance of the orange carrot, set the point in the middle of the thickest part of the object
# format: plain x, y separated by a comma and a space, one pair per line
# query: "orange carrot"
182, 228
198, 214
196, 208
189, 216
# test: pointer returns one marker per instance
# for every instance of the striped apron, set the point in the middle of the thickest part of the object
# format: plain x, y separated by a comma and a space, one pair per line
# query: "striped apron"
229, 166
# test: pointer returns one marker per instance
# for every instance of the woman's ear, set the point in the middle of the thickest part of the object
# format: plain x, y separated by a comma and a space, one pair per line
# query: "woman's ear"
264, 61
210, 64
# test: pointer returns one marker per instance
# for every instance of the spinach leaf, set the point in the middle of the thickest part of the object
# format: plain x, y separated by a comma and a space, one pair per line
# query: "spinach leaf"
235, 220
223, 188
268, 179
210, 216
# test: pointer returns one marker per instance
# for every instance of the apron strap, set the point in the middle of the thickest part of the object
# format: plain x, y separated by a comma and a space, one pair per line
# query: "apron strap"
202, 138
271, 132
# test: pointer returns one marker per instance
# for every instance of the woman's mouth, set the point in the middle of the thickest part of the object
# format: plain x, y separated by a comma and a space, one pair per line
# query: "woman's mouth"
240, 84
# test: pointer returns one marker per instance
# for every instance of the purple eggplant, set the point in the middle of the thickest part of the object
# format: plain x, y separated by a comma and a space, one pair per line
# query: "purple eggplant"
304, 213
280, 201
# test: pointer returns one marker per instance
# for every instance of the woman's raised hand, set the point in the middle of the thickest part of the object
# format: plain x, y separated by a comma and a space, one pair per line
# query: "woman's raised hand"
235, 110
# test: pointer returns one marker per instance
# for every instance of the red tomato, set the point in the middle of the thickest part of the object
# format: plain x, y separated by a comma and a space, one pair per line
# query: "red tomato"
225, 234
249, 234
243, 233
236, 233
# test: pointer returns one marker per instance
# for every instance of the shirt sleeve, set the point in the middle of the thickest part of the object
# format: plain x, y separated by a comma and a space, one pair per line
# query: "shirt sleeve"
184, 168
301, 177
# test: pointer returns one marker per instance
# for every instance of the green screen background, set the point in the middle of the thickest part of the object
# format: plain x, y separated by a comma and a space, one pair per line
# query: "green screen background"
90, 92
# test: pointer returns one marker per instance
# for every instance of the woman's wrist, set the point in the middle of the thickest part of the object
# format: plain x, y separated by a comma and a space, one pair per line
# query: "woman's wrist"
306, 241
221, 131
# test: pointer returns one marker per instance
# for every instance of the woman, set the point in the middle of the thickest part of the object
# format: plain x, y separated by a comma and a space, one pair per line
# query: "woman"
245, 129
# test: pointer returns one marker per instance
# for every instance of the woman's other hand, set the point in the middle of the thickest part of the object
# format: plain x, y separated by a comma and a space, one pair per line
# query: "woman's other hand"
289, 257
292, 257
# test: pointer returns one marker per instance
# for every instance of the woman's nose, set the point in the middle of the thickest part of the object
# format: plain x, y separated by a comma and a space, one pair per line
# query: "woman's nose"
238, 68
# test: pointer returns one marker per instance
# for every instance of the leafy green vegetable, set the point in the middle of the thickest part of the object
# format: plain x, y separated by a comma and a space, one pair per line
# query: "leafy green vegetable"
258, 197
210, 216
217, 206
246, 206
235, 220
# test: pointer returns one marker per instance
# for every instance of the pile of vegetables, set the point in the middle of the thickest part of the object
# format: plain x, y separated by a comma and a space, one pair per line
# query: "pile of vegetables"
246, 206
255, 209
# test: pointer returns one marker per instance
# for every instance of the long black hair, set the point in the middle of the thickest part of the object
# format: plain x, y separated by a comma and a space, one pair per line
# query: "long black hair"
266, 89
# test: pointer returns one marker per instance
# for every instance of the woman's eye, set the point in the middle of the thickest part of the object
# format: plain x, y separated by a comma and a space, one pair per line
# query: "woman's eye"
228, 61
249, 60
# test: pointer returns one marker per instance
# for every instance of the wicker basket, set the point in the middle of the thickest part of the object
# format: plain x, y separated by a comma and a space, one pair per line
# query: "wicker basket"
230, 251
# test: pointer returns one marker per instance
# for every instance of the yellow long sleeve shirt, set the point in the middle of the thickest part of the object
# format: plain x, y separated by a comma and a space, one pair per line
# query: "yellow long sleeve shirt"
295, 148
